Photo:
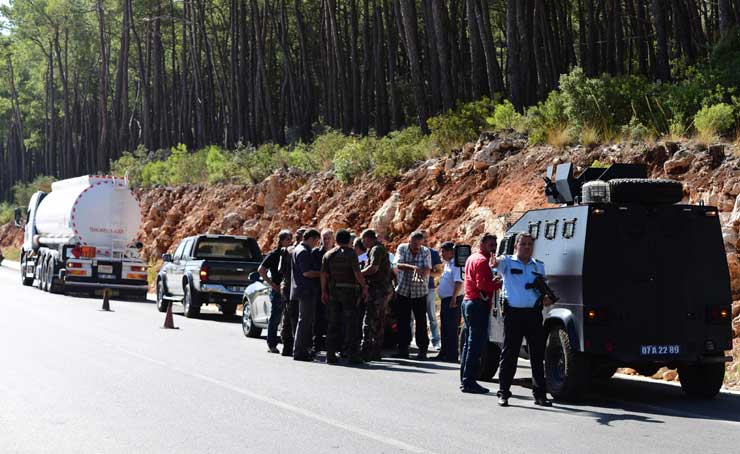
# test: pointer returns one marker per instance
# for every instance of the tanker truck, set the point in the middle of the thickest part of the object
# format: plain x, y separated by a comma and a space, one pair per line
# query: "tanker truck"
80, 237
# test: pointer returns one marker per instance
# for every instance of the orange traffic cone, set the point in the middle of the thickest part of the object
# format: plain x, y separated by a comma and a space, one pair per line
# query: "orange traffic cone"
169, 323
106, 301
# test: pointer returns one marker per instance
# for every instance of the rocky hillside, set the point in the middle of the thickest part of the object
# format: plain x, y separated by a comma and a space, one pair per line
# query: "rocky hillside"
479, 188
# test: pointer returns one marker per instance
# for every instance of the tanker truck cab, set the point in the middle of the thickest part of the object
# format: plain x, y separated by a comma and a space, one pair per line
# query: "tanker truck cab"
642, 281
80, 237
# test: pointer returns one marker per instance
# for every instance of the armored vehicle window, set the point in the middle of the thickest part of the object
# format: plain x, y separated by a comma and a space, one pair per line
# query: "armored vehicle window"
551, 229
569, 228
534, 229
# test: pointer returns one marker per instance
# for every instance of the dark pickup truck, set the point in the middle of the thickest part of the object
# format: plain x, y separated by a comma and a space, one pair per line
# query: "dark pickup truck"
207, 269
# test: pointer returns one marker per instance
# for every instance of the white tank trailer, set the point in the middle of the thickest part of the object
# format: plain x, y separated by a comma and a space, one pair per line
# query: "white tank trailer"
81, 237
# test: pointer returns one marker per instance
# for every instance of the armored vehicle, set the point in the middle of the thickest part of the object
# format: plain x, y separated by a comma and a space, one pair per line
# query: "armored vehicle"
642, 281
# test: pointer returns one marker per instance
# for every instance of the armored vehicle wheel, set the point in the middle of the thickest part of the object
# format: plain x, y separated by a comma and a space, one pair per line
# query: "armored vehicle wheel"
250, 330
702, 380
229, 310
566, 370
489, 361
161, 302
26, 281
643, 190
191, 303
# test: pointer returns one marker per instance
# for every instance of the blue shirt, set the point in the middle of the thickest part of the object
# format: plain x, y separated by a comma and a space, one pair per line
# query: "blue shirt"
436, 260
450, 275
517, 275
303, 287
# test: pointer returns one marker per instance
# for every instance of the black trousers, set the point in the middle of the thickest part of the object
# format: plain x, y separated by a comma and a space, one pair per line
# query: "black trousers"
520, 324
404, 307
450, 321
290, 321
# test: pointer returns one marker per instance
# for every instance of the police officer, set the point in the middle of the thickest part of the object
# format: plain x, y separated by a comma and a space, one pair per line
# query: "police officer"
522, 318
380, 284
341, 287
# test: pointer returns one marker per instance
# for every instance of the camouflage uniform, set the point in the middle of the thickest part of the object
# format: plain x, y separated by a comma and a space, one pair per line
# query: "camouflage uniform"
290, 307
379, 287
340, 264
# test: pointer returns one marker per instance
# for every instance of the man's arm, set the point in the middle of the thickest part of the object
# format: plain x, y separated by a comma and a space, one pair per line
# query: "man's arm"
373, 258
262, 271
324, 287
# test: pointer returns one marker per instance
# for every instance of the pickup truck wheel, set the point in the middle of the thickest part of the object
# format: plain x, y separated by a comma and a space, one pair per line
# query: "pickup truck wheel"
566, 370
229, 310
191, 303
26, 281
702, 380
161, 302
489, 361
250, 330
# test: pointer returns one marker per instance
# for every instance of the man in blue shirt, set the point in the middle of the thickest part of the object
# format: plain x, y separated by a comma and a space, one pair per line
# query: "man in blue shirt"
522, 318
305, 288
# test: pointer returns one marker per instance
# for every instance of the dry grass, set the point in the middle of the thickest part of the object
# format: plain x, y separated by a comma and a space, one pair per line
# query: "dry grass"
12, 254
559, 136
706, 137
735, 147
589, 136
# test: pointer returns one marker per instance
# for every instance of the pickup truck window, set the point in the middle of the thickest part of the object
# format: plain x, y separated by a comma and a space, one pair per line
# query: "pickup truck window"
223, 248
178, 251
187, 252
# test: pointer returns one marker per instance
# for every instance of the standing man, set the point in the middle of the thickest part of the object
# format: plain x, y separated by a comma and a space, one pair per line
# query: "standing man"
413, 262
290, 306
305, 289
379, 279
273, 279
435, 272
320, 323
476, 308
342, 285
451, 293
522, 318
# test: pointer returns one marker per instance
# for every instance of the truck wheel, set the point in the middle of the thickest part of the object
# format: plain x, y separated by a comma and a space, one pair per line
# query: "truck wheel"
566, 370
250, 330
26, 281
702, 380
51, 287
644, 190
229, 310
44, 275
489, 361
191, 303
161, 302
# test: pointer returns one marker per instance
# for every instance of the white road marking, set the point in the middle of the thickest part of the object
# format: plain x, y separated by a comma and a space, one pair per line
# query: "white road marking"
283, 405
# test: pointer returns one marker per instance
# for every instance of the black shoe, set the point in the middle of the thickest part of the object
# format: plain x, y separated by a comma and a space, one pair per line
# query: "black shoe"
542, 402
422, 355
471, 389
273, 350
367, 356
401, 355
305, 358
331, 358
503, 401
287, 350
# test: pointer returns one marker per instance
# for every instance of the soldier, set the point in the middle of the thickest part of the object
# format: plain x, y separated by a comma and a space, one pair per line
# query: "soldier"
271, 264
305, 287
341, 283
522, 318
380, 285
290, 307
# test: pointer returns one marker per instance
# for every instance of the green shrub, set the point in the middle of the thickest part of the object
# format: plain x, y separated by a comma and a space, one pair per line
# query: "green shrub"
637, 131
325, 146
218, 165
155, 173
131, 164
505, 117
185, 167
354, 159
301, 157
399, 151
547, 116
263, 161
715, 119
452, 129
7, 212
22, 192
584, 99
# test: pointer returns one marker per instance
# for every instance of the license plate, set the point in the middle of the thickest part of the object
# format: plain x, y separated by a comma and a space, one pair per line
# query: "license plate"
106, 276
660, 350
105, 269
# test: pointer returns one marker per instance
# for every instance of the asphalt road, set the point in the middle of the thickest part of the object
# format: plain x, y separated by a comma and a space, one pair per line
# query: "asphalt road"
74, 379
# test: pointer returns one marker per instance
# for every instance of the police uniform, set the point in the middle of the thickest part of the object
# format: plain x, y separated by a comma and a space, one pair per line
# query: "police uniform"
340, 265
522, 319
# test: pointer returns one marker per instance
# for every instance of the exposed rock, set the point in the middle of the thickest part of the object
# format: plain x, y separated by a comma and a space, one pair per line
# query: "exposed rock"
657, 155
381, 220
735, 309
491, 177
736, 327
733, 263
672, 148
679, 163
670, 375
232, 221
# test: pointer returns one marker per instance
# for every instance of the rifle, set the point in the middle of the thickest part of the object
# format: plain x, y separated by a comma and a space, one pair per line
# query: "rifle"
540, 285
